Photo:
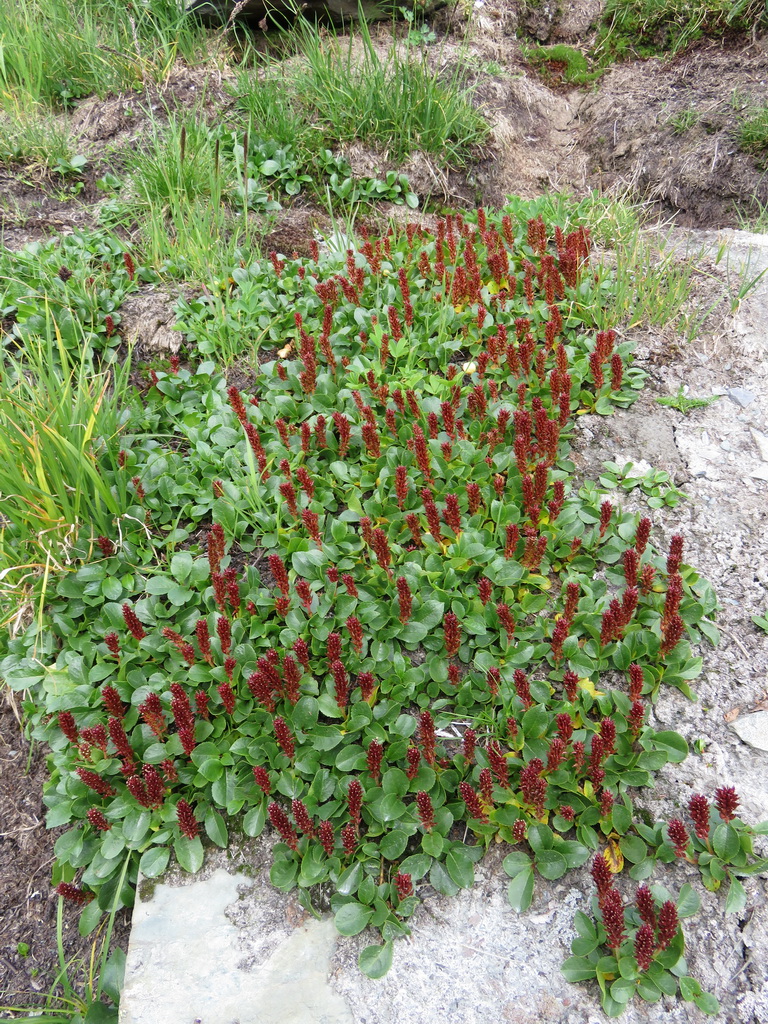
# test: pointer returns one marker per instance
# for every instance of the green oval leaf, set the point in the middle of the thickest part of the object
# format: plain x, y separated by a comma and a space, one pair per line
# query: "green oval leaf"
352, 918
375, 961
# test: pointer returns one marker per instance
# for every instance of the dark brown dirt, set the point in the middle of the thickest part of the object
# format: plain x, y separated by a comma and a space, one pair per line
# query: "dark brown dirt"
28, 905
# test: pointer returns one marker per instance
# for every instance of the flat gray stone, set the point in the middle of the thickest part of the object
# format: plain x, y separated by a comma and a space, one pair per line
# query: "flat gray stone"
183, 964
761, 441
752, 729
741, 397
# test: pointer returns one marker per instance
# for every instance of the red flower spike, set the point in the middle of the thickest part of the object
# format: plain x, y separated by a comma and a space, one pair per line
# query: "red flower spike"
288, 493
698, 808
426, 811
522, 688
73, 894
224, 633
413, 758
668, 925
498, 763
341, 684
608, 735
452, 513
485, 589
646, 907
642, 536
106, 545
349, 584
672, 635
636, 682
311, 522
564, 727
519, 831
506, 620
355, 629
403, 885
326, 837
567, 812
679, 837
601, 875
556, 753
281, 824
349, 839
427, 736
186, 819
283, 737
636, 718
486, 786
675, 557
302, 653
261, 777
204, 640
672, 600
472, 802
112, 642
474, 497
279, 573
98, 821
606, 511
151, 711
468, 745
135, 628
606, 803
302, 818
401, 485
367, 685
95, 782
333, 647
381, 550
373, 758
493, 681
169, 770
67, 725
726, 802
613, 919
451, 634
571, 686
404, 599
227, 695
355, 801
644, 947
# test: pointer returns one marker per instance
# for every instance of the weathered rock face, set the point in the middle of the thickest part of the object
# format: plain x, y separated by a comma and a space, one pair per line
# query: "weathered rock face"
259, 13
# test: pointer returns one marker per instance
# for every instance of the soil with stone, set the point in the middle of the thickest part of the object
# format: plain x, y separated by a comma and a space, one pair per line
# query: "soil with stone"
471, 958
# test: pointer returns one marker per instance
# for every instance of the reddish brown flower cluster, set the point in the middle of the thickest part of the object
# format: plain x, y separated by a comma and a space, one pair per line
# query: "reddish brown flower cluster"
726, 802
472, 802
281, 824
135, 628
186, 819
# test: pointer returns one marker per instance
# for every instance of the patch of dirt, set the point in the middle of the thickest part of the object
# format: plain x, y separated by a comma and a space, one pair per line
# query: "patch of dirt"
28, 917
146, 322
627, 128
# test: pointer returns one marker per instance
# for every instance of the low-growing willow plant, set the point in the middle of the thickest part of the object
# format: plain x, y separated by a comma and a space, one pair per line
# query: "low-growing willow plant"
402, 633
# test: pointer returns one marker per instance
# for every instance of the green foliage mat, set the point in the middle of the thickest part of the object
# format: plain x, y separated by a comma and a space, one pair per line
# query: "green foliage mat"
365, 602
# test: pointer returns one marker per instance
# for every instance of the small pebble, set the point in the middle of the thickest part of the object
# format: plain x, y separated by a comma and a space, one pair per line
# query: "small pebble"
741, 397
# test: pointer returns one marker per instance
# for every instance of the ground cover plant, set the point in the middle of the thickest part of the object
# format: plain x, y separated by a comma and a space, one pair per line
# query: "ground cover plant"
361, 599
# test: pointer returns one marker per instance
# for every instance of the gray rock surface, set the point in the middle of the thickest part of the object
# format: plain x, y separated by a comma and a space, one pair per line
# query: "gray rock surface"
753, 729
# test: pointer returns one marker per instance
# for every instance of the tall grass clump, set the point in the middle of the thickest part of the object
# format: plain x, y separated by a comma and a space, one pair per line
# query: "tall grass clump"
55, 51
396, 101
187, 199
59, 448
